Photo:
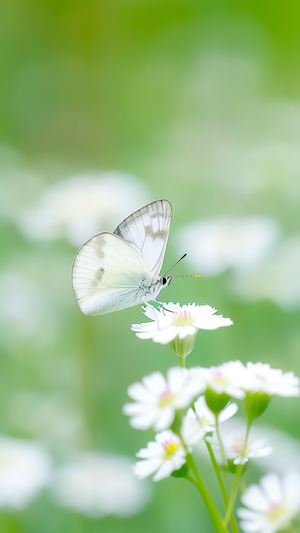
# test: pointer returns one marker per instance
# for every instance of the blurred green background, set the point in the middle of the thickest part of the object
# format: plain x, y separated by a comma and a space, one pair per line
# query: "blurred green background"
200, 101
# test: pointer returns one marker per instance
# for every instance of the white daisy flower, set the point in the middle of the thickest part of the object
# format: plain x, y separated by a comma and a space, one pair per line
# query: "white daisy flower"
233, 446
24, 471
162, 457
196, 424
178, 324
227, 378
82, 205
271, 504
157, 398
97, 484
214, 245
262, 378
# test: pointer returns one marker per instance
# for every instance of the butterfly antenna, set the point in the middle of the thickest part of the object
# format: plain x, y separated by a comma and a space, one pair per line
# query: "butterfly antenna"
191, 276
184, 255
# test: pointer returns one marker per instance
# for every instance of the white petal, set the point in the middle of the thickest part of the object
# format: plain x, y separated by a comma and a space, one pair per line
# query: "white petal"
138, 392
262, 452
177, 378
167, 468
187, 331
131, 409
152, 313
147, 467
255, 499
144, 421
239, 460
144, 327
271, 485
154, 449
213, 322
155, 383
166, 335
191, 431
164, 419
228, 412
291, 484
246, 514
166, 436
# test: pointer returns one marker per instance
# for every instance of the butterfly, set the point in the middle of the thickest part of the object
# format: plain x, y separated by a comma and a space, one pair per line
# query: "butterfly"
113, 271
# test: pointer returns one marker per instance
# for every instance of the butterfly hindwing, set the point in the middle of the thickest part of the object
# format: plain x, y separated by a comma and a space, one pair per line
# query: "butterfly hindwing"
147, 231
107, 274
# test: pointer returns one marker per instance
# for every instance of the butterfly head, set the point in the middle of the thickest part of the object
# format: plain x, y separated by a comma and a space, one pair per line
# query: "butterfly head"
165, 280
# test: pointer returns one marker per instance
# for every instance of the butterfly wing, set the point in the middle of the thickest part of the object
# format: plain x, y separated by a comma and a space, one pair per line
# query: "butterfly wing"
107, 275
147, 231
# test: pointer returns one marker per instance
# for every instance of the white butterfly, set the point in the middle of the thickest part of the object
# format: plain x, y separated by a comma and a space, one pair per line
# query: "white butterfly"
113, 271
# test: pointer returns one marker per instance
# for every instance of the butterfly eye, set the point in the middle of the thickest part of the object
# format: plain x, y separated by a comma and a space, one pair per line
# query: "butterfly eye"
164, 280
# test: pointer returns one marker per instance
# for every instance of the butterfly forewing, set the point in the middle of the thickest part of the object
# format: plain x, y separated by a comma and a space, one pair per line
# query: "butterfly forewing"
107, 274
147, 231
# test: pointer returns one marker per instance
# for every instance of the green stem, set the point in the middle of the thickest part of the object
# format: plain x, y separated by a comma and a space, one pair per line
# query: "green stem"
181, 361
209, 503
224, 462
218, 473
192, 480
233, 523
238, 475
223, 457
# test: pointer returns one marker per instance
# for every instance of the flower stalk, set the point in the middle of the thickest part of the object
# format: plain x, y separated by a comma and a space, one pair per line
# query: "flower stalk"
207, 395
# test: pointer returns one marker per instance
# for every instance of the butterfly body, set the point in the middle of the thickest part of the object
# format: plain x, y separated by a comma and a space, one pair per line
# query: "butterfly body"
114, 271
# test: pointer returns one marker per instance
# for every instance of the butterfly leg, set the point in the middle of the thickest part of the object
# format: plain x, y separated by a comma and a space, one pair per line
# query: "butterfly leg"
155, 311
161, 304
163, 308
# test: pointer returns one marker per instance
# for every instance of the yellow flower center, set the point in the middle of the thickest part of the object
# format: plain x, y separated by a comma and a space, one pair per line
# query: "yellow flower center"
166, 398
219, 378
182, 318
171, 448
276, 511
203, 421
238, 447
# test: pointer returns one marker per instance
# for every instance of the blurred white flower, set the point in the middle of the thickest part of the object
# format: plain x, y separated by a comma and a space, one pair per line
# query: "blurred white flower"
157, 398
271, 504
178, 324
262, 378
196, 424
97, 484
82, 205
24, 471
277, 279
269, 161
286, 450
228, 378
233, 446
162, 457
215, 245
19, 187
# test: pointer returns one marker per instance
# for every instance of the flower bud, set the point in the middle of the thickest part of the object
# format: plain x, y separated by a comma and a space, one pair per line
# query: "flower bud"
183, 347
